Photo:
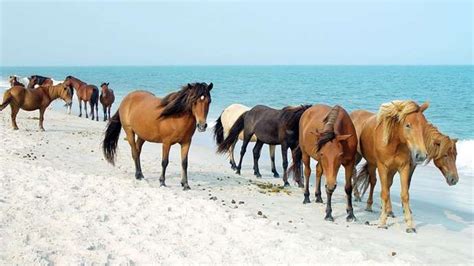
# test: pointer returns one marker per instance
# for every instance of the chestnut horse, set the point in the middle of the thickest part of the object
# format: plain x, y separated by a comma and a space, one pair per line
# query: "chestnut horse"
33, 99
327, 135
170, 120
392, 141
221, 130
14, 82
86, 93
40, 81
107, 98
270, 126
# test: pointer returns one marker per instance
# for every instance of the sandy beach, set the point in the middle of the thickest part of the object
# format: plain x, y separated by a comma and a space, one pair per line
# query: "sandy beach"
60, 202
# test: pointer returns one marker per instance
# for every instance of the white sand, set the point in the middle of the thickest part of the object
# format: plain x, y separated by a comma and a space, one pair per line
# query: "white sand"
61, 202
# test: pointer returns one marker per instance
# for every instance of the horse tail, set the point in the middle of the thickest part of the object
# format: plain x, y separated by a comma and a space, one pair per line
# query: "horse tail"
95, 97
233, 134
361, 180
219, 131
7, 98
112, 133
295, 168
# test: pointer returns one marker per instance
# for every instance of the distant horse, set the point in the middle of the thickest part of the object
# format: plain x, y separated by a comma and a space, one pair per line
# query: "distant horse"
392, 141
40, 81
270, 126
107, 98
33, 99
86, 93
441, 149
170, 120
222, 128
14, 82
327, 135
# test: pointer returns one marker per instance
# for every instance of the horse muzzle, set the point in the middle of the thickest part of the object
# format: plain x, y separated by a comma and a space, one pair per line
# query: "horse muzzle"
201, 127
419, 157
452, 180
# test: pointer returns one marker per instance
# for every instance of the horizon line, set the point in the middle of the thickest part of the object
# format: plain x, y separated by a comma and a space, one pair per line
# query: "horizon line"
233, 65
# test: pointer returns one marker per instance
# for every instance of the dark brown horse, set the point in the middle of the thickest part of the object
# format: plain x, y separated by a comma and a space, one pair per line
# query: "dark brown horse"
33, 99
14, 82
85, 93
270, 126
107, 98
170, 120
327, 135
40, 81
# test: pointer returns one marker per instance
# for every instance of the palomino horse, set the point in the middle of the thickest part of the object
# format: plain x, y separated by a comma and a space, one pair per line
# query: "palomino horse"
441, 149
33, 99
392, 141
270, 126
14, 82
107, 98
222, 128
327, 135
170, 120
40, 81
86, 93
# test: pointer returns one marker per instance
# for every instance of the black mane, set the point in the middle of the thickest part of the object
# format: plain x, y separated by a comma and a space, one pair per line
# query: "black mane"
40, 79
182, 100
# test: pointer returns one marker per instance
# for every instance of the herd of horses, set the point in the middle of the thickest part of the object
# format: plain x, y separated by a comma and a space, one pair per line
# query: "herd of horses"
394, 140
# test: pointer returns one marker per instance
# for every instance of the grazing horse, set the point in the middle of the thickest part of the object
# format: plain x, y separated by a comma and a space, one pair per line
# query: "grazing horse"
222, 128
86, 93
40, 81
14, 82
170, 120
107, 98
327, 135
32, 99
392, 141
270, 126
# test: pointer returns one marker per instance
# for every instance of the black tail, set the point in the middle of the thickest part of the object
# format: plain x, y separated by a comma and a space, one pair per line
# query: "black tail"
295, 168
361, 181
94, 97
112, 133
233, 134
218, 131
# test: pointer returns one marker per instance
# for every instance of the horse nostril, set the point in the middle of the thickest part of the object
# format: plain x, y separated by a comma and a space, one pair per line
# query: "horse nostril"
205, 125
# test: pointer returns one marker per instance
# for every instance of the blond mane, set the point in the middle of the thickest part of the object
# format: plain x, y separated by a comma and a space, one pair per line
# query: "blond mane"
392, 113
437, 144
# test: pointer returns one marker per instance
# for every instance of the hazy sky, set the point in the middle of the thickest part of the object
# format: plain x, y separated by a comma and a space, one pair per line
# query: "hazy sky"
226, 33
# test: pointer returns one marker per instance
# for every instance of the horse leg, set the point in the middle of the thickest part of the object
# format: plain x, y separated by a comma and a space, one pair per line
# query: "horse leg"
184, 165
284, 156
231, 156
384, 175
164, 162
246, 140
138, 167
404, 195
272, 158
389, 205
85, 109
256, 155
307, 173
110, 107
372, 182
41, 118
319, 174
357, 196
15, 109
80, 107
328, 204
105, 112
349, 171
97, 111
135, 154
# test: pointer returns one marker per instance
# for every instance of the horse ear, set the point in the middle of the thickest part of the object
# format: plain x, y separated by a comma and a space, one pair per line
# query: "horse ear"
189, 86
107, 84
424, 106
210, 86
343, 137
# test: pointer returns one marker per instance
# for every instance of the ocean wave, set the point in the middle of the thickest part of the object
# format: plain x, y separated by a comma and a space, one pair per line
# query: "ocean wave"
5, 81
465, 159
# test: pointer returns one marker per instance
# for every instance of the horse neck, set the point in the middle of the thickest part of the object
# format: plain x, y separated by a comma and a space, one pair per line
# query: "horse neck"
77, 83
105, 91
52, 92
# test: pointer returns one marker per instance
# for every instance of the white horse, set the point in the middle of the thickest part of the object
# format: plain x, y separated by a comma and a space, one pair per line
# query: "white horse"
223, 125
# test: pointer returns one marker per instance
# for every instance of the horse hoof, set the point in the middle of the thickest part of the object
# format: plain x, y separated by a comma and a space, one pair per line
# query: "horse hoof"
286, 184
357, 199
411, 230
300, 185
391, 214
319, 200
162, 183
238, 171
369, 209
351, 218
80, 115
41, 129
186, 187
258, 175
382, 226
329, 218
276, 175
306, 200
139, 176
15, 128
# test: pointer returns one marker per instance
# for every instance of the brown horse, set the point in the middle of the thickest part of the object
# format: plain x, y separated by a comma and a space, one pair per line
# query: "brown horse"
40, 81
86, 93
107, 98
327, 135
170, 120
33, 99
14, 82
392, 141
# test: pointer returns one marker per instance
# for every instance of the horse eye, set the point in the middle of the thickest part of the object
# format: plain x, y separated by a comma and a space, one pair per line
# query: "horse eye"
408, 126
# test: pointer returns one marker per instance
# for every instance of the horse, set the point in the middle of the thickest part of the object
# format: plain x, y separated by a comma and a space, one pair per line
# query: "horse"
86, 93
223, 125
441, 149
40, 81
327, 135
169, 120
19, 97
107, 98
392, 141
270, 126
13, 80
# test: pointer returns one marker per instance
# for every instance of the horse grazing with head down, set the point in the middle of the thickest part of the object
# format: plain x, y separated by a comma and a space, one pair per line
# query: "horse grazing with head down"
13, 80
85, 93
107, 98
270, 126
327, 135
392, 141
170, 120
40, 81
33, 99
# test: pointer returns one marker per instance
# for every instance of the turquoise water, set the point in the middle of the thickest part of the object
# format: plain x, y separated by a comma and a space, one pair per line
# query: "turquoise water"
448, 88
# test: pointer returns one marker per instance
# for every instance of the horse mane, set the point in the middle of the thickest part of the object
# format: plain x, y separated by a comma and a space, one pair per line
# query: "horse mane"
181, 101
328, 133
40, 79
393, 113
291, 115
437, 144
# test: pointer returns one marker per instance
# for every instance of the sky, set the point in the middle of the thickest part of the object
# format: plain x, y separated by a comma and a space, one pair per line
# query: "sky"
347, 32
